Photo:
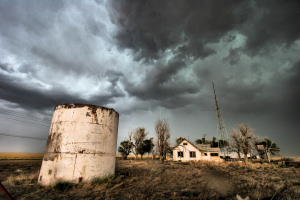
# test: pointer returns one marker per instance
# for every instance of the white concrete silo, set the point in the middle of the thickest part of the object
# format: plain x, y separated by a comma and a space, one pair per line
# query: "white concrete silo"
81, 144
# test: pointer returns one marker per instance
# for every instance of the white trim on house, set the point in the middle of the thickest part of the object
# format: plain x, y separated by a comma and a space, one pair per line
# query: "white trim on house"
186, 151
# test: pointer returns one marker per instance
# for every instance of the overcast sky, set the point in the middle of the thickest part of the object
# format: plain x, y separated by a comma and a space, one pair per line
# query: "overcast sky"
150, 60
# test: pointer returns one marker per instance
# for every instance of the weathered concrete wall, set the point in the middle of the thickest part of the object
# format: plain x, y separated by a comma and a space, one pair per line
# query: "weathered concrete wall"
81, 144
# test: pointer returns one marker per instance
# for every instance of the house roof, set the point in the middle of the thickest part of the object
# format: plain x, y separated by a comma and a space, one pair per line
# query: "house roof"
200, 147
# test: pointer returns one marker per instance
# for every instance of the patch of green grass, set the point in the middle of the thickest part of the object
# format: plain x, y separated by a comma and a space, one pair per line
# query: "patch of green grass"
101, 181
63, 185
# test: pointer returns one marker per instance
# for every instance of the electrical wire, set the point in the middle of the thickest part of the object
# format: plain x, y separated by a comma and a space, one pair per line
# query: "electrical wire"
20, 136
14, 119
22, 115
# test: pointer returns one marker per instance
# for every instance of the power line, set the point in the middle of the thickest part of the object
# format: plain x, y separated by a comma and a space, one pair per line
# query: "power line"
20, 136
22, 115
14, 119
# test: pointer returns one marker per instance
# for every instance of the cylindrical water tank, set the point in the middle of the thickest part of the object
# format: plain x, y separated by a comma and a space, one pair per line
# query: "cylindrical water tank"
81, 144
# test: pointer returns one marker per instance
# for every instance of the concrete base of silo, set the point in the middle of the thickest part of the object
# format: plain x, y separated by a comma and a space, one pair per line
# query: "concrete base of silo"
81, 144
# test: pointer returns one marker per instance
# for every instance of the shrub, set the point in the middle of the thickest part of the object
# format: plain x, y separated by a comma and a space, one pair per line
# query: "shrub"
63, 185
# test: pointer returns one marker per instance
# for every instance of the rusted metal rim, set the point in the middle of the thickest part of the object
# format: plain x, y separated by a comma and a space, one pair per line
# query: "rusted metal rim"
80, 105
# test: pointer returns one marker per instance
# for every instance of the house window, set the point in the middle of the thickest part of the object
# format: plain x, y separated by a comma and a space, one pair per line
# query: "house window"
214, 154
180, 154
50, 172
185, 143
192, 154
204, 154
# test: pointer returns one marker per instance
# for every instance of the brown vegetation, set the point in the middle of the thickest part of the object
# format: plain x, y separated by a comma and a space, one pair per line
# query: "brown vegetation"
21, 156
149, 179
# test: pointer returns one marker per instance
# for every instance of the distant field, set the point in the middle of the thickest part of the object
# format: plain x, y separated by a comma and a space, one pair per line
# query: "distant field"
21, 156
133, 157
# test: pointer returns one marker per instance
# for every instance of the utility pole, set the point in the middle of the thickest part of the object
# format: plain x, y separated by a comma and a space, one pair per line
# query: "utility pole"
222, 133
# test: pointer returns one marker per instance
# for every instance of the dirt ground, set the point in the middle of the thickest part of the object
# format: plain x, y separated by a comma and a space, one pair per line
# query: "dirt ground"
149, 179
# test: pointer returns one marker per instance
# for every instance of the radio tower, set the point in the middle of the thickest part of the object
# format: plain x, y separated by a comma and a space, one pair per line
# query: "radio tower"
222, 133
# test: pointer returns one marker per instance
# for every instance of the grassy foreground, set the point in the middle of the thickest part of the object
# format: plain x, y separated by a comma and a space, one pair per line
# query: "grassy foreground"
149, 179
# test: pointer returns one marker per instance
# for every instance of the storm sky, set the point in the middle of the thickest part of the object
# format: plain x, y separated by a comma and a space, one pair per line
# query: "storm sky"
150, 60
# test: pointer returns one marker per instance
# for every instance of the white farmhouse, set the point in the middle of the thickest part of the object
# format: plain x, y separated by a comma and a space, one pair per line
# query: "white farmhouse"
187, 151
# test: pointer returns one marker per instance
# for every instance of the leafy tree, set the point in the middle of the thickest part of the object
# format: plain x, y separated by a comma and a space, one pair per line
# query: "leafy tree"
243, 137
125, 148
162, 130
202, 140
146, 147
223, 143
198, 141
266, 148
179, 140
214, 143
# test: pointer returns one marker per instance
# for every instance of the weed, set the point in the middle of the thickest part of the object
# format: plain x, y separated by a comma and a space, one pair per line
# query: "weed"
101, 181
21, 179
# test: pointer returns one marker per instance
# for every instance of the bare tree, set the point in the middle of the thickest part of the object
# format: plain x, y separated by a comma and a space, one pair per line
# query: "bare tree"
244, 138
162, 130
138, 135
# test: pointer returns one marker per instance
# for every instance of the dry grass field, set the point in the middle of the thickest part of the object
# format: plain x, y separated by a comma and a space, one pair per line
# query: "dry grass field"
21, 156
149, 179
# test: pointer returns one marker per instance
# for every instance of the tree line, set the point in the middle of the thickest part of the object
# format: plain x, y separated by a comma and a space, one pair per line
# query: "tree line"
243, 142
138, 144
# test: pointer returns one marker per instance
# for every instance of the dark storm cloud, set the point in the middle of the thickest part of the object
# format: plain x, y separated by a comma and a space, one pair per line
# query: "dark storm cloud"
49, 43
26, 96
291, 94
156, 56
57, 35
162, 84
114, 77
234, 56
149, 27
271, 23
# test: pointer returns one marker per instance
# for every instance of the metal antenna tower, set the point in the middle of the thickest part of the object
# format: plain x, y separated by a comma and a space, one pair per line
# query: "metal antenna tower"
222, 133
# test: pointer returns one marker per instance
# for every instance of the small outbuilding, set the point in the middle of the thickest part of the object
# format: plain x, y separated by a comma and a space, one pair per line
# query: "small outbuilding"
187, 151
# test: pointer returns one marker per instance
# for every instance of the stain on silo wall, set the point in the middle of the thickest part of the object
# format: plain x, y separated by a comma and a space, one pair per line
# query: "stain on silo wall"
81, 144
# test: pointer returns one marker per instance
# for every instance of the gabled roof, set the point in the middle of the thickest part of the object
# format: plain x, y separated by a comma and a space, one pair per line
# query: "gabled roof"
200, 147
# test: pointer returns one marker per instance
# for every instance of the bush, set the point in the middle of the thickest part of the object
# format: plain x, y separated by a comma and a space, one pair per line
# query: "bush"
63, 185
